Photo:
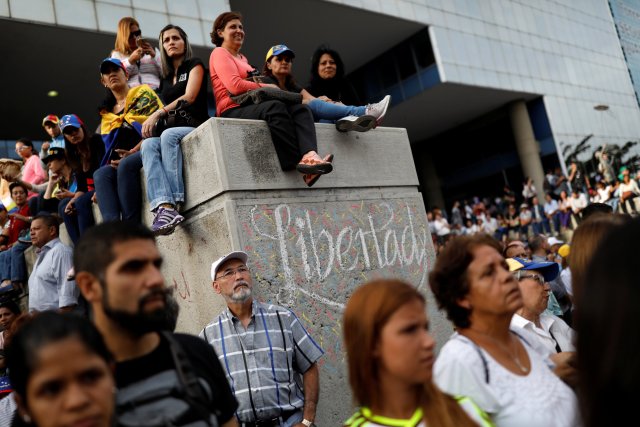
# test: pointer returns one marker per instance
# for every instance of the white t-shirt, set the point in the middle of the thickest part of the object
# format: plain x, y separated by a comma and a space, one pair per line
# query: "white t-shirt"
553, 330
537, 399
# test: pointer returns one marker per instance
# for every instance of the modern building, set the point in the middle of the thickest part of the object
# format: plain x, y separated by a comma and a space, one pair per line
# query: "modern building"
490, 91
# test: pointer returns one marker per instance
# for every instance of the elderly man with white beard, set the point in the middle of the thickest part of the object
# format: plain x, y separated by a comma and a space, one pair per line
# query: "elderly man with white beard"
270, 359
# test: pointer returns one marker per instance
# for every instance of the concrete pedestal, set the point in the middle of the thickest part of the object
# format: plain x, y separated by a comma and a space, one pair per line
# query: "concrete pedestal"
309, 248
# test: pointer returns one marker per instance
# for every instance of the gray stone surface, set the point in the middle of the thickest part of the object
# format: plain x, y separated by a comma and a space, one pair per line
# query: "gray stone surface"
309, 248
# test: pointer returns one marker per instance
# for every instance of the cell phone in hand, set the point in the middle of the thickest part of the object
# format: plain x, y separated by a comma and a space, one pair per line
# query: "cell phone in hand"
140, 41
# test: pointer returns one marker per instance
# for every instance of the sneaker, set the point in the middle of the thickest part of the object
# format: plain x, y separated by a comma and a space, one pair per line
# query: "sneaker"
356, 123
379, 109
25, 239
166, 221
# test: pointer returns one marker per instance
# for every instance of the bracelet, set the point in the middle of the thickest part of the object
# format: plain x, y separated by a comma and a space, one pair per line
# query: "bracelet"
166, 112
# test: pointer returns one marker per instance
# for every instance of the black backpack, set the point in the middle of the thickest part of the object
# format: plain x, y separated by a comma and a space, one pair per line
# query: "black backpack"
172, 398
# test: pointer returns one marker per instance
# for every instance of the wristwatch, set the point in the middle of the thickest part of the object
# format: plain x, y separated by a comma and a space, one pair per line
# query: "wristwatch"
308, 423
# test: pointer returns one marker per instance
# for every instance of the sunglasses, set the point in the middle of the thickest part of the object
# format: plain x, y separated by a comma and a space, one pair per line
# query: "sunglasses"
70, 130
134, 34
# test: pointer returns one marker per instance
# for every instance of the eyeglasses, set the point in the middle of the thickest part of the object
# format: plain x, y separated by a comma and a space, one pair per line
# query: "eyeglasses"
19, 149
134, 34
232, 272
537, 277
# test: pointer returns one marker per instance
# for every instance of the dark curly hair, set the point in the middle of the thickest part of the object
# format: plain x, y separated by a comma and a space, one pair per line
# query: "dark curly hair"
315, 61
219, 24
448, 279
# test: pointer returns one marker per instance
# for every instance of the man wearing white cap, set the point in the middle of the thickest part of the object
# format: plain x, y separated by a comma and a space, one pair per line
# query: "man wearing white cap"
270, 359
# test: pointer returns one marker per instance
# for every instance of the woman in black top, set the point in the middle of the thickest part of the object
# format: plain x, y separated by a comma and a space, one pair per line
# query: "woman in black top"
84, 153
327, 78
184, 80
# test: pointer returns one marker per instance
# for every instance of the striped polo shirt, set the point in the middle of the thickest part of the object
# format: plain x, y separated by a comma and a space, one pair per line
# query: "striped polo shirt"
264, 363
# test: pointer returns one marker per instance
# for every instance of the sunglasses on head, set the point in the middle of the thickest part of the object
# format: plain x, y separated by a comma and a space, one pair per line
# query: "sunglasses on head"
135, 34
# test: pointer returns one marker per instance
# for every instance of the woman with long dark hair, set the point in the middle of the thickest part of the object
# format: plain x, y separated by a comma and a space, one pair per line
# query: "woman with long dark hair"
61, 372
184, 81
327, 78
84, 153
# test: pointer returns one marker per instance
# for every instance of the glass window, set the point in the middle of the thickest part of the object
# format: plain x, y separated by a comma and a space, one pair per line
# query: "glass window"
4, 7
152, 22
191, 27
36, 10
109, 15
422, 49
187, 8
157, 6
76, 13
404, 60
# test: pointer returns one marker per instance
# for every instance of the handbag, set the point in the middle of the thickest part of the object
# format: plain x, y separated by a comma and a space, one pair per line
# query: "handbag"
262, 94
178, 117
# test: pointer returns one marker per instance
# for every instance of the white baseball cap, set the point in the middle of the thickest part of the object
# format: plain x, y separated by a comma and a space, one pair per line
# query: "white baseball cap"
554, 241
242, 256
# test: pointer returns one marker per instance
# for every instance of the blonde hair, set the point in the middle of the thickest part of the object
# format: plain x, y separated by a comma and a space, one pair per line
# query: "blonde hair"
122, 37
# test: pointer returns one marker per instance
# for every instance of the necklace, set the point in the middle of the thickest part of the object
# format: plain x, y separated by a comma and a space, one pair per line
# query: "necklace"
512, 355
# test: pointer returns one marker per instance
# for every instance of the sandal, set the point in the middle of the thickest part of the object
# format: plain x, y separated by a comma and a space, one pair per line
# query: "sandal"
309, 165
311, 179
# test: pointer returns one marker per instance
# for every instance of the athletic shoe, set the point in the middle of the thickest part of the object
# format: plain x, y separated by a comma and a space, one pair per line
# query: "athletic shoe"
379, 109
356, 123
166, 221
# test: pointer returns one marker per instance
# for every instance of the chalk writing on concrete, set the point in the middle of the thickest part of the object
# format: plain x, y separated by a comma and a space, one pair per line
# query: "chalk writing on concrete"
325, 251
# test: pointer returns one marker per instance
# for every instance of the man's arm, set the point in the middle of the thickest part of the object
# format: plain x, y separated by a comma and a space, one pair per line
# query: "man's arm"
311, 385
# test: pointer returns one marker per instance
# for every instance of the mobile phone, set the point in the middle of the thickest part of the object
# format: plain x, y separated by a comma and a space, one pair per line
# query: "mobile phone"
140, 41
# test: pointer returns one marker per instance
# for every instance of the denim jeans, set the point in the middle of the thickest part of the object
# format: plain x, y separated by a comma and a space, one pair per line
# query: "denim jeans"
162, 162
82, 219
327, 111
12, 263
119, 191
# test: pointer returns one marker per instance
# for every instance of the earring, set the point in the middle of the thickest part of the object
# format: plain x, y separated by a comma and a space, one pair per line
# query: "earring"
26, 418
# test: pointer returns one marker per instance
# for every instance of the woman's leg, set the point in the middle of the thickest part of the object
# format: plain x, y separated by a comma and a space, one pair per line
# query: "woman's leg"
171, 155
84, 212
105, 180
281, 127
70, 220
158, 188
305, 127
323, 110
129, 187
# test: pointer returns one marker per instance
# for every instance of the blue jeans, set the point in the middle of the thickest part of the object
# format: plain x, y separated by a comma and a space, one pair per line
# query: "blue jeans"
327, 111
162, 162
119, 191
82, 219
12, 263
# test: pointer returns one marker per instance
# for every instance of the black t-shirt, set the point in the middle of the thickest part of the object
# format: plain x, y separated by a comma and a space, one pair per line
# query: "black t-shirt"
205, 364
169, 92
127, 138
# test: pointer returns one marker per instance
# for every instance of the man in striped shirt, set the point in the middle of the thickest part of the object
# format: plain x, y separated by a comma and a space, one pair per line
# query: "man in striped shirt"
269, 358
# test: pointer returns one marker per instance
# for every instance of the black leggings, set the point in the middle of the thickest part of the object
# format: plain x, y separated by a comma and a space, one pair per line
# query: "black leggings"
292, 128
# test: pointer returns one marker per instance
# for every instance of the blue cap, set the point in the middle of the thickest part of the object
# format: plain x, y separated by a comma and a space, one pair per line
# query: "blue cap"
112, 61
278, 49
70, 120
549, 270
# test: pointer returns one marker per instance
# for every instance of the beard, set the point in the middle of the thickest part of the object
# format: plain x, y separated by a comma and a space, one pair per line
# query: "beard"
142, 322
240, 295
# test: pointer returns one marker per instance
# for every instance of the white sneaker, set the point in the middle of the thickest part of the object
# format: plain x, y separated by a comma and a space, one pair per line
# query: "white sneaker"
356, 123
379, 109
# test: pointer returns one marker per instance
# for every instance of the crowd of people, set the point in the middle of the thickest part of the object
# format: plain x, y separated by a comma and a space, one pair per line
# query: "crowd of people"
537, 323
155, 97
512, 216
